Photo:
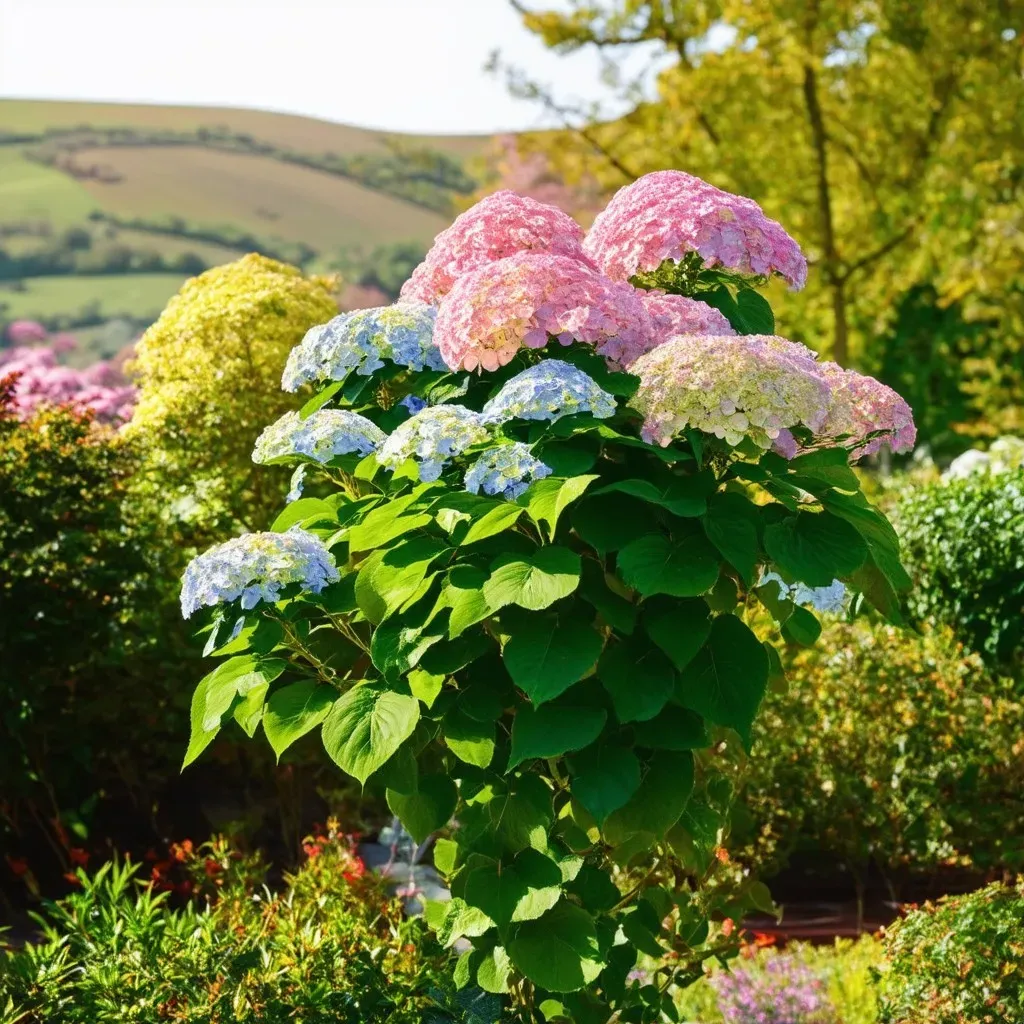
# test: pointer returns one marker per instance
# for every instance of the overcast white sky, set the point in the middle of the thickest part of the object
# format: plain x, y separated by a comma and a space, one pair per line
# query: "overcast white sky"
402, 65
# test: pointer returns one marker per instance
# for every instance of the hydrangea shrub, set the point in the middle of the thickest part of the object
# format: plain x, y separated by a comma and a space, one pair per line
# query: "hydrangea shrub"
527, 614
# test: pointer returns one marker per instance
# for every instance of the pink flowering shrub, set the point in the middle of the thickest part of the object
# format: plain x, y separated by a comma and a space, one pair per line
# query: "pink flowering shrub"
676, 314
500, 225
25, 332
783, 991
42, 380
523, 300
665, 215
862, 406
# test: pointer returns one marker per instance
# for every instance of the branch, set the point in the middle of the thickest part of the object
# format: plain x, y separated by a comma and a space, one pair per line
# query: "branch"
882, 250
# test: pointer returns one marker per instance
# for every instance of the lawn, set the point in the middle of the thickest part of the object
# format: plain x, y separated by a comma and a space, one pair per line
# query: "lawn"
30, 191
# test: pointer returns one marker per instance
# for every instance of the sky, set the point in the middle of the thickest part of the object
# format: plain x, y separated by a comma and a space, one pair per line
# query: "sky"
399, 65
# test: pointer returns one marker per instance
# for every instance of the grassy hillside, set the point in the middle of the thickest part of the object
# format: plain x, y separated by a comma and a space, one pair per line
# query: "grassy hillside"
105, 208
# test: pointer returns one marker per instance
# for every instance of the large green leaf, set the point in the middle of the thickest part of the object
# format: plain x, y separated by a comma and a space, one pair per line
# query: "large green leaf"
401, 575
554, 729
815, 548
548, 653
655, 807
679, 628
493, 522
755, 313
559, 951
731, 525
877, 531
522, 890
674, 728
463, 593
428, 809
366, 726
829, 465
726, 681
294, 710
547, 499
533, 581
639, 678
682, 495
605, 593
680, 567
604, 777
609, 522
469, 740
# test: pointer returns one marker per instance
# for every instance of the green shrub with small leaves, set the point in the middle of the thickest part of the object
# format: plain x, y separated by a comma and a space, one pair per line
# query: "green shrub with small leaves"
957, 961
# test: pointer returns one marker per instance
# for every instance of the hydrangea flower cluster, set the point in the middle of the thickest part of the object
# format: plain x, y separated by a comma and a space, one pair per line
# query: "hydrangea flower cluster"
664, 215
525, 299
360, 341
862, 405
432, 437
784, 991
548, 391
831, 600
256, 567
507, 471
676, 314
733, 387
499, 225
322, 435
1004, 454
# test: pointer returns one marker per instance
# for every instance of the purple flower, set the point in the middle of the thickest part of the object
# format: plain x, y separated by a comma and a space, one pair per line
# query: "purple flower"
778, 990
413, 403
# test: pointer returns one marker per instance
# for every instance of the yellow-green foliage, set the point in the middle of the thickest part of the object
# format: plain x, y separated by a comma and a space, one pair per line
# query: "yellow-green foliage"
209, 372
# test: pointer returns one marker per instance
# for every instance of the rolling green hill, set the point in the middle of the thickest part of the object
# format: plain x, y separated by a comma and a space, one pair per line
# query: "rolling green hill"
105, 208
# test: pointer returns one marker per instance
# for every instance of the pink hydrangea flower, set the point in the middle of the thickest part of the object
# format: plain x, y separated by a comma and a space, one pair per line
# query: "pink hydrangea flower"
862, 405
499, 225
734, 387
525, 299
664, 215
25, 332
676, 314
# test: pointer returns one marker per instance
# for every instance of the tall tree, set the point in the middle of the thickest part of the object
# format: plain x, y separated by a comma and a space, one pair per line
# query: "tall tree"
882, 133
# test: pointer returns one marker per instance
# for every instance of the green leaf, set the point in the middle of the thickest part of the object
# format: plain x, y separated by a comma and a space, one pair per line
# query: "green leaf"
301, 510
521, 815
639, 678
425, 686
534, 581
726, 681
660, 800
815, 548
493, 974
611, 521
802, 627
247, 711
459, 921
830, 465
468, 739
601, 590
877, 531
294, 710
399, 578
496, 521
553, 730
428, 809
675, 728
679, 628
684, 496
755, 312
680, 567
320, 399
521, 891
547, 654
547, 499
463, 593
366, 726
559, 951
595, 890
731, 525
604, 777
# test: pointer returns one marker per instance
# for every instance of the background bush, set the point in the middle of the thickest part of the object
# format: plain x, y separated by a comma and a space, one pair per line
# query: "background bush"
963, 542
888, 748
958, 960
331, 946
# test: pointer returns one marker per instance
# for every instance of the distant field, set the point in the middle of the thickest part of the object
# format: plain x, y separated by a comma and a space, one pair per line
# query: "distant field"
29, 191
257, 193
136, 295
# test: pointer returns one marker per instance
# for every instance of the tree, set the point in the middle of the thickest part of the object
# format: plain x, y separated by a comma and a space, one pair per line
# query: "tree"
886, 134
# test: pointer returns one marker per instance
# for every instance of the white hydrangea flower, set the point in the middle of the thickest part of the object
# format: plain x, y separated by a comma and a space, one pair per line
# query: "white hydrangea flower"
432, 437
1003, 455
361, 340
256, 567
831, 600
322, 435
549, 390
507, 471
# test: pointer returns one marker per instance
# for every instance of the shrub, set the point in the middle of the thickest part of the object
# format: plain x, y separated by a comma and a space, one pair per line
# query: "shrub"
963, 541
330, 947
957, 961
887, 748
209, 374
524, 599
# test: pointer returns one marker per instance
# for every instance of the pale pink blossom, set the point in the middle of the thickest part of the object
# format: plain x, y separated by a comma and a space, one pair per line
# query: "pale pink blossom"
500, 225
526, 299
25, 332
862, 405
667, 214
676, 314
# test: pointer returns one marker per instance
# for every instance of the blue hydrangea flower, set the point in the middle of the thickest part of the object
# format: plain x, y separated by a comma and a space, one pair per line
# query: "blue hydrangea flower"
832, 599
256, 567
507, 471
322, 435
413, 403
432, 437
549, 390
361, 340
297, 484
